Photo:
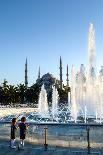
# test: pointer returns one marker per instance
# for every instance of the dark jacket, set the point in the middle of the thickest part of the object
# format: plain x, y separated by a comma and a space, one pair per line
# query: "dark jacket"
13, 130
23, 128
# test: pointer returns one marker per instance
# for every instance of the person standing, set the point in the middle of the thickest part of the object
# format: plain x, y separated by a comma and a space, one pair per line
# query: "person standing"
13, 131
23, 127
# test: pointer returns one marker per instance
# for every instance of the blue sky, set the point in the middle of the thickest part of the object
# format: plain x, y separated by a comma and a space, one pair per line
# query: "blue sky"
44, 30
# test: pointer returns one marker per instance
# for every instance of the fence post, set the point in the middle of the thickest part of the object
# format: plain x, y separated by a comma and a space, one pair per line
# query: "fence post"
45, 142
88, 140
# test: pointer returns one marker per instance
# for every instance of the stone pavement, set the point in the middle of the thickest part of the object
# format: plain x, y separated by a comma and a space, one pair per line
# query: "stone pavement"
31, 149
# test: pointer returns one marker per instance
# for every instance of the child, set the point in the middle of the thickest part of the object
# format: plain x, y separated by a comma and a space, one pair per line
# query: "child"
23, 127
13, 130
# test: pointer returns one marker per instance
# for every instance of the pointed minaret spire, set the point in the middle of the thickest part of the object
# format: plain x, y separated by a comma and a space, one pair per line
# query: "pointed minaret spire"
39, 73
61, 73
26, 76
67, 77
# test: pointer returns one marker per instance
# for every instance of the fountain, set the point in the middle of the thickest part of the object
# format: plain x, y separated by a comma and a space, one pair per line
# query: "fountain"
85, 101
87, 88
42, 103
73, 96
54, 102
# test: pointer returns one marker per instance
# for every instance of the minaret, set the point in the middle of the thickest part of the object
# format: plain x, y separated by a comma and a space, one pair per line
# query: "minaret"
61, 73
39, 73
91, 52
67, 77
26, 77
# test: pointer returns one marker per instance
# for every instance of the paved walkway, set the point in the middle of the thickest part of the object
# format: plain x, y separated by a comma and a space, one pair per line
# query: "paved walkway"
31, 149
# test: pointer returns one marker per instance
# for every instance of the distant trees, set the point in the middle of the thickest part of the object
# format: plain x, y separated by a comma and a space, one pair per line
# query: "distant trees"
10, 94
63, 95
32, 94
21, 93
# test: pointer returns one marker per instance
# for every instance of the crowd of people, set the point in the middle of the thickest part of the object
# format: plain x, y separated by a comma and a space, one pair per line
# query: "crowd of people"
23, 126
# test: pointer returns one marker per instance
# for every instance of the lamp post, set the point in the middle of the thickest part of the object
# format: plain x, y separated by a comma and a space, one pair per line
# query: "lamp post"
45, 142
88, 139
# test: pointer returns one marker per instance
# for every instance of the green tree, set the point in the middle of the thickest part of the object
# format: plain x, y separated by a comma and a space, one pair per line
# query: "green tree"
32, 94
63, 95
21, 91
5, 94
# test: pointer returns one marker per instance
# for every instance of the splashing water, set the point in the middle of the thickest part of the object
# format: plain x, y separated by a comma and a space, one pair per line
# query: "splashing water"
54, 101
73, 96
87, 87
42, 103
86, 97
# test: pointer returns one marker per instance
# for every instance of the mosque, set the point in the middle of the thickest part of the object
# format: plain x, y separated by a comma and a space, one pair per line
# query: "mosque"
60, 81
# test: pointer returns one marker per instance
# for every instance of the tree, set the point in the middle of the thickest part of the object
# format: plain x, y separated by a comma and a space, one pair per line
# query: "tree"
32, 93
63, 95
21, 92
5, 94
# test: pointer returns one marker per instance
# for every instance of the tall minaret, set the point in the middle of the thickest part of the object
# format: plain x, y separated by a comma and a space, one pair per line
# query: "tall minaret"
26, 76
67, 77
61, 73
91, 52
39, 73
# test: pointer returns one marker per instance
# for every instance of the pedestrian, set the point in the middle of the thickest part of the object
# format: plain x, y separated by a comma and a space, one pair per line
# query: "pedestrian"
23, 127
13, 131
